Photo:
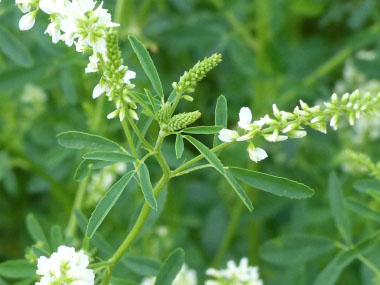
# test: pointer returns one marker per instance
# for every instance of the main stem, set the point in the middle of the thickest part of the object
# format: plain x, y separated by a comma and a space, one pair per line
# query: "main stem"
129, 138
143, 216
71, 227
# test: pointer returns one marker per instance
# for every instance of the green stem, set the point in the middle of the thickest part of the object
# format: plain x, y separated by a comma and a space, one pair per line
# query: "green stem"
175, 103
139, 134
363, 259
129, 139
197, 158
187, 171
79, 197
143, 216
231, 229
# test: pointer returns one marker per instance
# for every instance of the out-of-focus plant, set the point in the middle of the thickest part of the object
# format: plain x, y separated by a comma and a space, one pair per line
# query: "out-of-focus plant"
88, 26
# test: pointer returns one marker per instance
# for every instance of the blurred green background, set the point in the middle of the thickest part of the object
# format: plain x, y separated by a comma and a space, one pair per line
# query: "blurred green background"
274, 51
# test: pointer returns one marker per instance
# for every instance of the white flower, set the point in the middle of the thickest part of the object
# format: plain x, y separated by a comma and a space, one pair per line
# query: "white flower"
65, 264
242, 274
129, 74
256, 154
245, 118
275, 137
27, 21
99, 89
297, 134
93, 64
226, 135
24, 5
185, 277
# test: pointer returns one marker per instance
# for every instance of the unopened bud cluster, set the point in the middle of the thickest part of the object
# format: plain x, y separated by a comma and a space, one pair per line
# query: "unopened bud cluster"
115, 82
163, 115
189, 79
182, 120
291, 124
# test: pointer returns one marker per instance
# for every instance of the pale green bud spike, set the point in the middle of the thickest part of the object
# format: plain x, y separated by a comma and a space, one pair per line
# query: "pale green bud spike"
182, 120
163, 115
189, 79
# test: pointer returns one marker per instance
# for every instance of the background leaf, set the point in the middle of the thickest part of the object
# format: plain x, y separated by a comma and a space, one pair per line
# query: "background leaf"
171, 267
337, 208
293, 250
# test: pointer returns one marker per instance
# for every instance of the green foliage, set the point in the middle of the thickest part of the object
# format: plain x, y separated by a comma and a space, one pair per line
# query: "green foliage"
170, 267
274, 51
17, 269
79, 140
146, 186
275, 185
301, 248
108, 201
147, 64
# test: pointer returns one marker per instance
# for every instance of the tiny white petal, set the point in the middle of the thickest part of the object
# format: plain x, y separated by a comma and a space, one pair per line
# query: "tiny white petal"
27, 21
226, 135
245, 118
256, 154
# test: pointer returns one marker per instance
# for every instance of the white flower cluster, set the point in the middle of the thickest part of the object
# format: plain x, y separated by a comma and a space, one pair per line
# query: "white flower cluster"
84, 24
185, 277
287, 124
66, 266
235, 275
75, 22
367, 127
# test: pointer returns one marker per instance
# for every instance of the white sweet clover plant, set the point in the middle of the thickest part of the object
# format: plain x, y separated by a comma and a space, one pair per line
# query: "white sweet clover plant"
86, 25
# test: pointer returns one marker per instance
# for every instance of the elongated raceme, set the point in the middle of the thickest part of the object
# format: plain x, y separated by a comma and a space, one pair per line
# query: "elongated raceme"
189, 79
291, 124
182, 120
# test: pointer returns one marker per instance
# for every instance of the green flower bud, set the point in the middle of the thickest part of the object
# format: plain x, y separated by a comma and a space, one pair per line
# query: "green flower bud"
189, 79
182, 120
163, 115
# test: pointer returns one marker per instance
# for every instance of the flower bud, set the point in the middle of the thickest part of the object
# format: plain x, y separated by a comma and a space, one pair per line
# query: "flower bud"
182, 120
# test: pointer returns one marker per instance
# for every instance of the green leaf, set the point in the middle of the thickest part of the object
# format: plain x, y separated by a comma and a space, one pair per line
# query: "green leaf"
363, 210
146, 186
151, 100
140, 100
208, 154
109, 156
142, 265
276, 185
239, 190
336, 201
36, 232
179, 146
331, 272
56, 237
107, 202
17, 269
203, 130
221, 115
97, 240
171, 267
367, 185
86, 165
80, 140
147, 64
290, 250
14, 49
